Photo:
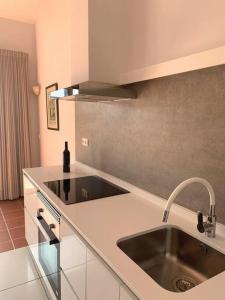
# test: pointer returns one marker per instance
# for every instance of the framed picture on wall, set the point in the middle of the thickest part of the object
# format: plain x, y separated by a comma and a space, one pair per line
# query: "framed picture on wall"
52, 107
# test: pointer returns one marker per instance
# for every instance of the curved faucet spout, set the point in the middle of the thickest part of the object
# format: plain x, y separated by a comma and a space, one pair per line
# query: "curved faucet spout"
181, 186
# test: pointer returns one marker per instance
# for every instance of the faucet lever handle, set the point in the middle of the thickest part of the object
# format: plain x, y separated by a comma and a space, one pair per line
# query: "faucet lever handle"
200, 225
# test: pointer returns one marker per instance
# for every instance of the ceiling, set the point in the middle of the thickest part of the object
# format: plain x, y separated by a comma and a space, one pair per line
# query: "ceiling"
19, 10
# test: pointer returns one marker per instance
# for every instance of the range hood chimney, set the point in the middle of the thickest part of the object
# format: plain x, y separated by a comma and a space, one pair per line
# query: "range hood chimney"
91, 91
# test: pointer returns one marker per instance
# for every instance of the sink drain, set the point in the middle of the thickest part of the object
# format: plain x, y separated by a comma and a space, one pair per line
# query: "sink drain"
184, 284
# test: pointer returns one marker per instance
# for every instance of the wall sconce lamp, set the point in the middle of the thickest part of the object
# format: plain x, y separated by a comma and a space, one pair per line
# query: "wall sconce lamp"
36, 90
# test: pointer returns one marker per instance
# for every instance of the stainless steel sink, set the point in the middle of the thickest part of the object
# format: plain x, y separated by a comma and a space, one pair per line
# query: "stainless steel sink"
173, 258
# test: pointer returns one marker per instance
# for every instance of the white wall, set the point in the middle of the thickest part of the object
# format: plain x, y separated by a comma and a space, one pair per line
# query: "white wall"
54, 65
20, 36
128, 36
22, 10
78, 14
156, 31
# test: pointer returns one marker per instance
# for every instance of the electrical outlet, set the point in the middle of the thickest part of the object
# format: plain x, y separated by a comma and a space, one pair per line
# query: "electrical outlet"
85, 142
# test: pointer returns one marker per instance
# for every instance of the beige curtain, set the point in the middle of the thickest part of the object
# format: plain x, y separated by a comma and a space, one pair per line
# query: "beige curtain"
14, 122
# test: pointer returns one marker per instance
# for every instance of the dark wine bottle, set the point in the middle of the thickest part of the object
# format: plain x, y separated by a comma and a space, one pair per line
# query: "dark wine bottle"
66, 159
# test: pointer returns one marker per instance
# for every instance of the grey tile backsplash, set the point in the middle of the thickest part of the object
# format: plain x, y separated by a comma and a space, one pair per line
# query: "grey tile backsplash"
173, 131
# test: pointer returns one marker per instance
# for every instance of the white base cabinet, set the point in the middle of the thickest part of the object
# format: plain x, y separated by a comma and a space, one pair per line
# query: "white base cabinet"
126, 294
73, 259
89, 276
30, 214
101, 281
30, 197
66, 292
85, 276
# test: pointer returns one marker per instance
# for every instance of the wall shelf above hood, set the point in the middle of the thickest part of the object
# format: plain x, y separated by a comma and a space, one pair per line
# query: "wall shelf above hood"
94, 92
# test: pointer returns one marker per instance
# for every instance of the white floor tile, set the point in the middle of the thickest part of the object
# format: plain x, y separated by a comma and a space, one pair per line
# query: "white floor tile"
16, 267
32, 290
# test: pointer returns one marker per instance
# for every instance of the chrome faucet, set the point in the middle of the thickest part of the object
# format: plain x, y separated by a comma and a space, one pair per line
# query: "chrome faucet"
209, 227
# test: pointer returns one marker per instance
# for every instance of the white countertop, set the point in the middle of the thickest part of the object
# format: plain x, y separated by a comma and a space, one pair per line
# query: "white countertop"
103, 222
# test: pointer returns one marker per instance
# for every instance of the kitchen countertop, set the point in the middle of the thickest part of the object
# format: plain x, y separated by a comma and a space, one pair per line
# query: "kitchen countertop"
103, 222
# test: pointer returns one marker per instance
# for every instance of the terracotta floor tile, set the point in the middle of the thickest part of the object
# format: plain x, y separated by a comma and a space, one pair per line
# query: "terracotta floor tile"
19, 243
12, 216
21, 202
17, 232
4, 236
1, 218
8, 214
9, 205
2, 226
7, 202
15, 222
6, 246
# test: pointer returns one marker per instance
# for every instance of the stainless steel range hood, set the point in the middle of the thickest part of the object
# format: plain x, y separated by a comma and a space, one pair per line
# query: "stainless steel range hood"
94, 92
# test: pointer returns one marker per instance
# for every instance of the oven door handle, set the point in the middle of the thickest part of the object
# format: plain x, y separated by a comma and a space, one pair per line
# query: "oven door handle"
46, 231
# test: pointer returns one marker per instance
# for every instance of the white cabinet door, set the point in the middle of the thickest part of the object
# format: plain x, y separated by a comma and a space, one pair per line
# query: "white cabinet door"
31, 230
31, 206
102, 283
73, 258
66, 291
30, 196
126, 294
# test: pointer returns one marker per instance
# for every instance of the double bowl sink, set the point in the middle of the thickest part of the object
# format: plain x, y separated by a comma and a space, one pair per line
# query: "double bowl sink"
174, 259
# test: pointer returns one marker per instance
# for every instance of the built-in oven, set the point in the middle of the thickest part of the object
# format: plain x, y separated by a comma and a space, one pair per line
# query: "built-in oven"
48, 255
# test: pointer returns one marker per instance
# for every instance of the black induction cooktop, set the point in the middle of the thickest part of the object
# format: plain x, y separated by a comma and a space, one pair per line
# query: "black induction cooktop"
81, 189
